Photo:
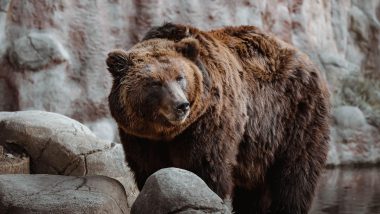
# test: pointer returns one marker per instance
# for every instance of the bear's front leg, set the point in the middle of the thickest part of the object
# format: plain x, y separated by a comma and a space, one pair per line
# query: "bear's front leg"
216, 173
212, 158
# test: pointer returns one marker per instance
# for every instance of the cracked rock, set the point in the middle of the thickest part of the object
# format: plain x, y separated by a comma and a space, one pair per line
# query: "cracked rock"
61, 194
36, 51
59, 145
174, 190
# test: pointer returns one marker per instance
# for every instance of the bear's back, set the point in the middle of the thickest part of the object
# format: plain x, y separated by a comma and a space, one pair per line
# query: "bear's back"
261, 55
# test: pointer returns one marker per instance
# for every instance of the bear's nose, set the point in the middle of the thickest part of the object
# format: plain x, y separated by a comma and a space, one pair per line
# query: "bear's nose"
183, 107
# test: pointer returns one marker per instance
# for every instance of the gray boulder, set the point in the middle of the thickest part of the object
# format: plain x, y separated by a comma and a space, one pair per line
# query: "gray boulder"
174, 190
24, 194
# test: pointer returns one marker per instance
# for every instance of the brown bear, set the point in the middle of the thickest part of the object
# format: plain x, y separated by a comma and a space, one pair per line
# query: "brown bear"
243, 110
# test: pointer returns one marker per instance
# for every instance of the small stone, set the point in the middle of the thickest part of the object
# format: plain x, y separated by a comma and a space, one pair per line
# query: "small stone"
174, 190
9, 156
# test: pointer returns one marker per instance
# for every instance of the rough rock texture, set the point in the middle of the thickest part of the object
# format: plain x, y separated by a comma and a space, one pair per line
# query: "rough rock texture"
52, 53
359, 141
13, 163
23, 194
174, 190
60, 145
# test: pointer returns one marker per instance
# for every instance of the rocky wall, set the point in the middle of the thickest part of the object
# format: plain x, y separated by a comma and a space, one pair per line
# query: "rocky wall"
52, 55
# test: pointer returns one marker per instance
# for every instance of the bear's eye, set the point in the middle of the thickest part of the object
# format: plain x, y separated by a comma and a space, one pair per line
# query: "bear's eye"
179, 78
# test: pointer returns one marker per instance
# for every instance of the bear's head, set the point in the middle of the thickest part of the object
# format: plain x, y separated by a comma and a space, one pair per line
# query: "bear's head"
158, 88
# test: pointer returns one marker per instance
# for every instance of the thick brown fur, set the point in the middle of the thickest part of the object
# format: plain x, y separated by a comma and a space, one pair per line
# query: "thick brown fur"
258, 125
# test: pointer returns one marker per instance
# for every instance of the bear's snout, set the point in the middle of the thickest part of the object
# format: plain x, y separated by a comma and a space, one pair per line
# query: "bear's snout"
175, 107
182, 108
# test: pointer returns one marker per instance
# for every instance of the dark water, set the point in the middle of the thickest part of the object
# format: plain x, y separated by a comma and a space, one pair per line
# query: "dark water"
348, 191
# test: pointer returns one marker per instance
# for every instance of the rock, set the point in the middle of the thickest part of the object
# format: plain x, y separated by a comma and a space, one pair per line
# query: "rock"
359, 23
174, 190
342, 37
13, 163
36, 51
349, 117
23, 194
7, 103
354, 140
60, 145
105, 129
4, 5
53, 141
112, 163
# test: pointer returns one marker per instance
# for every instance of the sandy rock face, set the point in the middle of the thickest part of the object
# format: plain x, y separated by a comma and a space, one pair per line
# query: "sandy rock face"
174, 190
23, 194
59, 145
52, 52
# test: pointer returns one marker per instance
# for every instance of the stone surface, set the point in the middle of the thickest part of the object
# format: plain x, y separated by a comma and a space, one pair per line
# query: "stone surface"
60, 145
36, 51
12, 162
23, 194
349, 117
105, 128
14, 165
356, 142
174, 190
341, 36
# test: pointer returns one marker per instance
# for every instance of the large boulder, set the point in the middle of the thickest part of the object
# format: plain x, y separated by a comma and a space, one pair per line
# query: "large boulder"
59, 145
24, 194
174, 190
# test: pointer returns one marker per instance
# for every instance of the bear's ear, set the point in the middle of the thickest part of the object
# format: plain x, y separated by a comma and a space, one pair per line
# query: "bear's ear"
189, 48
174, 32
117, 62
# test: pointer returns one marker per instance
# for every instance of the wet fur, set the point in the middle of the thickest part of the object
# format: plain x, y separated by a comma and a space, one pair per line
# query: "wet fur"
258, 130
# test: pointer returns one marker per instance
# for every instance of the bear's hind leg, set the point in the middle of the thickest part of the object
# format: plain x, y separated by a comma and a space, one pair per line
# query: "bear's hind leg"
293, 184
